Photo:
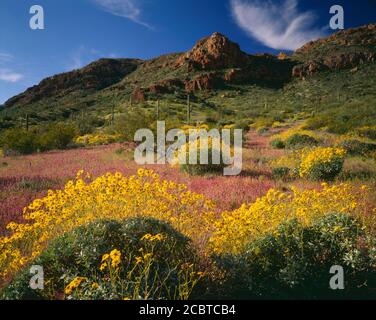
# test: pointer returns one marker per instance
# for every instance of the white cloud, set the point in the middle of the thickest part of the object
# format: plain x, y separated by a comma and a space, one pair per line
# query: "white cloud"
5, 57
276, 25
77, 59
10, 76
82, 56
6, 74
129, 9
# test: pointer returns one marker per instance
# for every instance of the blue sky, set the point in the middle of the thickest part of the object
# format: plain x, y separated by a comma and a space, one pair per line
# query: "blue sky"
80, 31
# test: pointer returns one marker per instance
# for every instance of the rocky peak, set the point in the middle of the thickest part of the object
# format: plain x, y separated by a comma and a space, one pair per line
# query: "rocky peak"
213, 53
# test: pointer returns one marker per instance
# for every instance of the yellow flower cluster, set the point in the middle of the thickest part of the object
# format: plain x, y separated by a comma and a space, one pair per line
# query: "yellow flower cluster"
74, 284
112, 259
188, 128
237, 228
214, 146
151, 238
285, 135
97, 139
111, 196
291, 160
319, 156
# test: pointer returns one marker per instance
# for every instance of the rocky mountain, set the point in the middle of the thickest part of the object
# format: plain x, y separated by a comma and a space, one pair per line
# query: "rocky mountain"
345, 49
215, 63
94, 77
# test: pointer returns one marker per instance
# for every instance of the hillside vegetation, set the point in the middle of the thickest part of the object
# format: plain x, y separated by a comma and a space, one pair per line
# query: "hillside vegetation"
329, 81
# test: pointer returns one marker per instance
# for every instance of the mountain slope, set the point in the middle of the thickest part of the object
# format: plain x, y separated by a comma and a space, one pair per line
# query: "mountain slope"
214, 67
95, 76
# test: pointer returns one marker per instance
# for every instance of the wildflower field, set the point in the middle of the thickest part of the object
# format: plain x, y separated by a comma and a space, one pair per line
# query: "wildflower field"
104, 228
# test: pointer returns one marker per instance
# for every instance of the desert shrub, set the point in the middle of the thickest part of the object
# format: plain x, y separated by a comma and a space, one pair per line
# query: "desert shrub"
281, 173
18, 141
234, 229
203, 169
55, 136
357, 148
263, 123
322, 164
294, 262
42, 138
262, 130
358, 168
129, 123
84, 253
97, 139
88, 123
111, 196
243, 125
291, 160
277, 144
212, 166
297, 141
367, 132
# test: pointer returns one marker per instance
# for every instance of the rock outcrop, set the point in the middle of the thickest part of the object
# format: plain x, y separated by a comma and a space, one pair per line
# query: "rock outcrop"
213, 53
346, 49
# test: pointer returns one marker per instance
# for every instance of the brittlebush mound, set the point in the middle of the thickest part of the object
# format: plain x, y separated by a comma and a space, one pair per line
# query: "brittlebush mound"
139, 258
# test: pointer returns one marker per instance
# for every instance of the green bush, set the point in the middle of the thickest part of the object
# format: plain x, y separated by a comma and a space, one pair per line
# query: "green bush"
79, 253
295, 261
42, 138
281, 173
56, 136
89, 123
357, 148
203, 169
298, 141
322, 164
129, 123
367, 132
277, 144
18, 141
326, 171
